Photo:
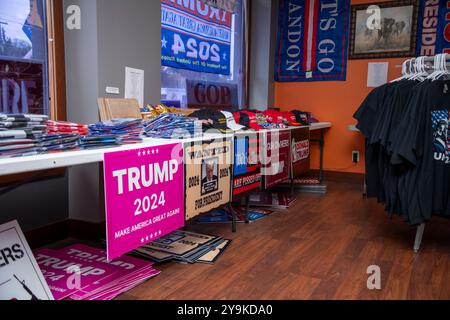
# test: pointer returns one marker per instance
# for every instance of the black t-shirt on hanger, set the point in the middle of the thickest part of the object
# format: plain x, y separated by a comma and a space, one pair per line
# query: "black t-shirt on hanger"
426, 145
366, 115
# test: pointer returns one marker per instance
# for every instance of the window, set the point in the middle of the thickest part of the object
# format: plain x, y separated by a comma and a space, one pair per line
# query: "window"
211, 54
23, 57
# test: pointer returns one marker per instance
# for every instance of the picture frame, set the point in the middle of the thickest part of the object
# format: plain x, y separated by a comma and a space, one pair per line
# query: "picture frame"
395, 35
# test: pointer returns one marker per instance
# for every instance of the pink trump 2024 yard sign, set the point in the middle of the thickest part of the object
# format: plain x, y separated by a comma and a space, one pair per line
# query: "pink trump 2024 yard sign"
144, 192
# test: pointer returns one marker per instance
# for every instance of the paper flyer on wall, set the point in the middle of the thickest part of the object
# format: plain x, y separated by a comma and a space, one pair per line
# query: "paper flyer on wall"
20, 275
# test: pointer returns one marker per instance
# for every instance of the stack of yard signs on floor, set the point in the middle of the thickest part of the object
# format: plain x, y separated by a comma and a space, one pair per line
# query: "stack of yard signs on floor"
307, 185
80, 272
185, 247
273, 200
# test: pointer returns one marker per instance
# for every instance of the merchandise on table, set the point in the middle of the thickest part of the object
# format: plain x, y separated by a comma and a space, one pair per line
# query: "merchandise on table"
212, 120
62, 127
17, 147
304, 118
99, 279
263, 122
150, 112
173, 126
181, 246
278, 118
57, 142
24, 135
113, 133
18, 134
247, 119
31, 124
291, 119
231, 122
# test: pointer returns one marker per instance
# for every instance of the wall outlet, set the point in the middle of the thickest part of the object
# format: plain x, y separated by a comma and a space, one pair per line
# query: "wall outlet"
355, 157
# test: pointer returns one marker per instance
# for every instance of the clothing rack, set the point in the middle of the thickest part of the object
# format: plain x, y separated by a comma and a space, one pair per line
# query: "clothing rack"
430, 65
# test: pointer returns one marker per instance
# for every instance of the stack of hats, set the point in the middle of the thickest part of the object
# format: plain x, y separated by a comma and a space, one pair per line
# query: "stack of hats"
305, 118
212, 120
265, 122
248, 119
231, 122
172, 126
113, 133
18, 134
281, 119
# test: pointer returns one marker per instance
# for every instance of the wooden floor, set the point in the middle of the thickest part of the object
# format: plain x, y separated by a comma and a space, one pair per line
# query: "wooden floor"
319, 249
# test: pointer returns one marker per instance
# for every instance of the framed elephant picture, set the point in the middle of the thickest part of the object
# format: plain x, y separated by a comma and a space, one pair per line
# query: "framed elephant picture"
384, 30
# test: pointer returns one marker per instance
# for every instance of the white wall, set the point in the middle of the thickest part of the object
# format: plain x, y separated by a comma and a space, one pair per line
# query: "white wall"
262, 53
82, 93
129, 35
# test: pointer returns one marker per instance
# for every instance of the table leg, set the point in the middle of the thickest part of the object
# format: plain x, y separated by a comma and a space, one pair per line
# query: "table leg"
234, 219
247, 209
419, 237
292, 187
322, 145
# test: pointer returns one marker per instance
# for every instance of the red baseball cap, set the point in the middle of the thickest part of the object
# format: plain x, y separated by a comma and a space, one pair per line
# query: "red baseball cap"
237, 117
273, 116
291, 119
248, 119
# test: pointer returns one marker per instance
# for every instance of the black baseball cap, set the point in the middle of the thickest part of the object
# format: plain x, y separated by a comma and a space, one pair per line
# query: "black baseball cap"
249, 120
302, 117
212, 119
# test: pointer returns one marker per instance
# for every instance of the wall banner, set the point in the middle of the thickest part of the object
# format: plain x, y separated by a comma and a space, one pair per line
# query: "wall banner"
208, 176
434, 27
276, 152
195, 36
312, 40
301, 151
247, 169
144, 192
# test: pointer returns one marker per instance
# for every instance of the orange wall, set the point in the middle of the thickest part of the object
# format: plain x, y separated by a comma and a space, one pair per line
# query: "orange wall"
335, 102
